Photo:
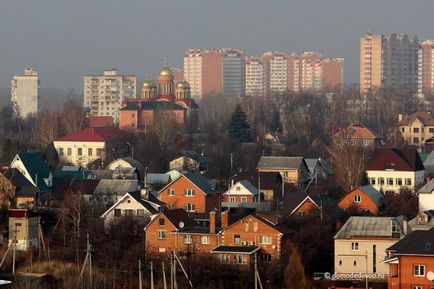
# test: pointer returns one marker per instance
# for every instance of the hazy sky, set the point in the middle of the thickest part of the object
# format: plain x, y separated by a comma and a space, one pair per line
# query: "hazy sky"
65, 39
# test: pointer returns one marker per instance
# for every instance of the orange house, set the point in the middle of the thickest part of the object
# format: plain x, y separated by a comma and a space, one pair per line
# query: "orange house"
300, 204
364, 199
251, 235
411, 262
191, 192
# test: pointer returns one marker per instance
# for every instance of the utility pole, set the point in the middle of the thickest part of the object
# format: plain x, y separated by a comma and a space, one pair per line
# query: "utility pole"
164, 276
232, 163
256, 271
171, 272
140, 274
14, 249
366, 277
90, 260
152, 277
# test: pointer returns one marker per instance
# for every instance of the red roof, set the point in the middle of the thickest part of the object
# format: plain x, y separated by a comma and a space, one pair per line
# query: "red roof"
91, 134
394, 159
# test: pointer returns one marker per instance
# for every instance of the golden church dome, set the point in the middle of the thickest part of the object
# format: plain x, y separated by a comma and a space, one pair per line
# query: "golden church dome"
182, 84
166, 71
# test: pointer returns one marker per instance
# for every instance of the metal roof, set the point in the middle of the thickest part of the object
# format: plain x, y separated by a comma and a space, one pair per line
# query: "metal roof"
358, 226
268, 162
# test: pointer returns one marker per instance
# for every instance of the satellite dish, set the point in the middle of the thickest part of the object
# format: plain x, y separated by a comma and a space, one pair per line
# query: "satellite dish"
430, 275
181, 225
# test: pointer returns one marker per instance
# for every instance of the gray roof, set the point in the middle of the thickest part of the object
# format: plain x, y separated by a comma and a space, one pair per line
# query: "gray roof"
357, 226
427, 188
429, 163
102, 174
108, 187
206, 185
311, 164
272, 162
375, 195
248, 185
155, 178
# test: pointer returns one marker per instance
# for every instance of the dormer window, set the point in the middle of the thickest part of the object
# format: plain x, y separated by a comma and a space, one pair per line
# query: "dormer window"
390, 166
357, 199
428, 246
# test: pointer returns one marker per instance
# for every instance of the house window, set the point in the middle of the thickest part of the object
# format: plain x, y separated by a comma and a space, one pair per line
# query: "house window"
237, 239
118, 212
225, 258
190, 207
357, 199
419, 270
381, 181
355, 246
98, 152
140, 212
69, 151
340, 262
265, 240
243, 199
416, 129
161, 235
398, 181
204, 240
355, 263
240, 259
415, 140
89, 151
238, 188
187, 239
265, 257
390, 181
79, 151
428, 246
372, 181
129, 212
232, 199
390, 166
431, 130
171, 192
60, 151
416, 287
408, 181
189, 192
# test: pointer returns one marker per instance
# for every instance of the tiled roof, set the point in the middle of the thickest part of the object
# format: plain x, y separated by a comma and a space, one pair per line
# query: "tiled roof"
406, 159
355, 131
428, 188
201, 182
358, 226
373, 194
177, 216
423, 116
292, 200
91, 134
108, 187
273, 162
416, 243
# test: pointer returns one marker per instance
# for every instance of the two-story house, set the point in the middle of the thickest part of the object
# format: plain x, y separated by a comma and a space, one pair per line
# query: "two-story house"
363, 199
192, 192
391, 169
361, 243
411, 261
292, 169
417, 127
241, 194
357, 135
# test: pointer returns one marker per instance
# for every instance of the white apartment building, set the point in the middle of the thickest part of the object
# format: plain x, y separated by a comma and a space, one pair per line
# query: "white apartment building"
25, 92
255, 85
193, 71
276, 64
103, 94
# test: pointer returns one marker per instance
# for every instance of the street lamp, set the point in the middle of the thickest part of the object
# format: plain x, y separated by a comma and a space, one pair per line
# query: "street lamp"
132, 149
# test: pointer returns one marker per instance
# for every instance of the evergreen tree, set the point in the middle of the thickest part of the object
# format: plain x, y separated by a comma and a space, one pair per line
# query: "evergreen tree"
239, 128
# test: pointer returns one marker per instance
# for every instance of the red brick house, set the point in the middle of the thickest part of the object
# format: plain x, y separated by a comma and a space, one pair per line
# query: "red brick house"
191, 192
411, 261
363, 199
300, 204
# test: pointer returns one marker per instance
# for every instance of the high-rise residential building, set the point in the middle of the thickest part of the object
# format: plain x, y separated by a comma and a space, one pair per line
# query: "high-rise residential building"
255, 77
388, 61
25, 92
216, 70
233, 72
276, 71
333, 74
425, 75
103, 94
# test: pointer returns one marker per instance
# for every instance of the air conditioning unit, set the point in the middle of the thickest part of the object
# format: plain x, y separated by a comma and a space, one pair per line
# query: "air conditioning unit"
244, 243
251, 243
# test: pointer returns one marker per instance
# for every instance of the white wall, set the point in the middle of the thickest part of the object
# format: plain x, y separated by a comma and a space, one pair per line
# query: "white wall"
416, 179
426, 202
74, 158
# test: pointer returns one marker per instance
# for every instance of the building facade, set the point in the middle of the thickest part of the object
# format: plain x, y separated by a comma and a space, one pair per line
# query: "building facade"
416, 128
425, 72
25, 92
103, 94
388, 61
255, 77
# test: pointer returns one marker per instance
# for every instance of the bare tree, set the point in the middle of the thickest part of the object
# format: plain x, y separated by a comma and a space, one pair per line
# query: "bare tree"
164, 128
46, 129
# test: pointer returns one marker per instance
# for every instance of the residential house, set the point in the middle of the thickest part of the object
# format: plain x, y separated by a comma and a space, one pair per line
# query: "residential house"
189, 162
423, 221
156, 181
411, 261
23, 229
292, 169
85, 146
362, 199
108, 192
416, 128
361, 243
243, 194
426, 196
268, 183
192, 192
392, 169
318, 169
17, 190
358, 135
299, 204
247, 237
138, 204
126, 168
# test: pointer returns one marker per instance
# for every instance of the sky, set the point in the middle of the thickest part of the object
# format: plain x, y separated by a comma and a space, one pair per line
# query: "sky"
66, 39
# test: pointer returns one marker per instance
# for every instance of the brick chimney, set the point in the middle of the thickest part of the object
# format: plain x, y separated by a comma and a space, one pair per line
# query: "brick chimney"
224, 219
400, 116
212, 224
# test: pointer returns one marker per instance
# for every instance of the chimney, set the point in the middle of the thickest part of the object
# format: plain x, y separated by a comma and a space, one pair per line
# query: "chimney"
405, 226
212, 226
399, 117
224, 216
144, 194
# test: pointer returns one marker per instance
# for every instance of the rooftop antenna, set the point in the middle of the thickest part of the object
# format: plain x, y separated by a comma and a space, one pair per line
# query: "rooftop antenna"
166, 60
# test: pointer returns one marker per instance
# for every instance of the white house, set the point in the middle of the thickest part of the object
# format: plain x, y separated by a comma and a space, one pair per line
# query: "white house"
426, 197
241, 192
85, 146
139, 204
392, 169
361, 243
